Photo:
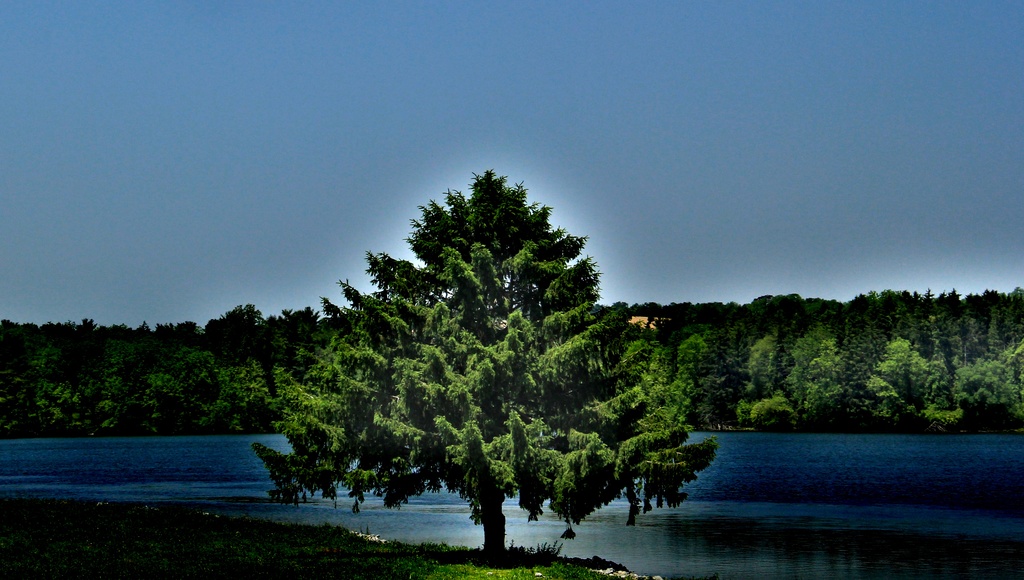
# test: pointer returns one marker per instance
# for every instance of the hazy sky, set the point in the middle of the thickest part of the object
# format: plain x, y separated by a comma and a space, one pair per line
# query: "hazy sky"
167, 161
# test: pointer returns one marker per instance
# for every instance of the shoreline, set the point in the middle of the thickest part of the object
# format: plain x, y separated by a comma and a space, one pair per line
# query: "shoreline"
62, 538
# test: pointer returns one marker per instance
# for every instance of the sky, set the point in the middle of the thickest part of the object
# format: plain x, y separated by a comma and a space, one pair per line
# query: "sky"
168, 161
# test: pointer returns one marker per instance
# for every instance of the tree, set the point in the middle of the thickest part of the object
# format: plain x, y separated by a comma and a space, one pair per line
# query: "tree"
485, 369
815, 378
987, 395
769, 414
763, 366
690, 357
899, 383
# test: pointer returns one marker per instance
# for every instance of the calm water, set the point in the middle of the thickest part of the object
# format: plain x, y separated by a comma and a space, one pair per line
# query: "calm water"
775, 506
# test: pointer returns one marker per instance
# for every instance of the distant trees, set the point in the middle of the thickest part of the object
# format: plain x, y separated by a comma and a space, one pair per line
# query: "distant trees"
885, 361
82, 379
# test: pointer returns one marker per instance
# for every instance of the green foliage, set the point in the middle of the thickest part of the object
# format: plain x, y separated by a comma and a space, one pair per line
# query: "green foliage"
899, 383
770, 414
763, 367
485, 368
690, 369
816, 378
986, 394
884, 361
84, 379
943, 419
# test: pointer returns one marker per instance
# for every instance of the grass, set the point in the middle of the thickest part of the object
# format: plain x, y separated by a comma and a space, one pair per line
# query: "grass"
68, 539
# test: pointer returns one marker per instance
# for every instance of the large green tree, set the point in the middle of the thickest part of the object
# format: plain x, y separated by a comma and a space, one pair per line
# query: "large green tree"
483, 367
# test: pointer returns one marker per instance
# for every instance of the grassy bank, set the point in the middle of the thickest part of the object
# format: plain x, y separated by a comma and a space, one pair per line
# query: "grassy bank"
65, 539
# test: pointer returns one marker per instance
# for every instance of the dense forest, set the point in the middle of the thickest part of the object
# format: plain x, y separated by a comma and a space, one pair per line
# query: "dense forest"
85, 379
886, 361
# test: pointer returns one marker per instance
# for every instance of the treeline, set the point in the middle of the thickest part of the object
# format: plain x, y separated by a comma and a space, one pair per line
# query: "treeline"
69, 379
885, 361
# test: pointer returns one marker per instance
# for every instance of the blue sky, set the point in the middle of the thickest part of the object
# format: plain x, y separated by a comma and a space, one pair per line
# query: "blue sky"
169, 161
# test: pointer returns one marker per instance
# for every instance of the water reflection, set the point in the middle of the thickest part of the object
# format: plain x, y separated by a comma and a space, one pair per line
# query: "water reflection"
736, 547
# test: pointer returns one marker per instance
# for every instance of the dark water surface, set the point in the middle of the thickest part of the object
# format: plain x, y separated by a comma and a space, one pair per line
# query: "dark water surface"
771, 506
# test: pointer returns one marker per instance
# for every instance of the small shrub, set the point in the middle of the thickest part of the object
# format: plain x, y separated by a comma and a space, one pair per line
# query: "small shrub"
774, 414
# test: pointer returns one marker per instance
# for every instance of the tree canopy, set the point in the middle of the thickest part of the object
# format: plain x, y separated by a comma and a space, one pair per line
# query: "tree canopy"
884, 361
73, 379
484, 368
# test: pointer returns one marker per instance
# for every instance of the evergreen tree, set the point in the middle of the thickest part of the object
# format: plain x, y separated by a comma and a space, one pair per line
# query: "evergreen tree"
484, 368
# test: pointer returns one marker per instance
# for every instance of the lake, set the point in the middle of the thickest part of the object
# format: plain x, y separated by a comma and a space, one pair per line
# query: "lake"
771, 506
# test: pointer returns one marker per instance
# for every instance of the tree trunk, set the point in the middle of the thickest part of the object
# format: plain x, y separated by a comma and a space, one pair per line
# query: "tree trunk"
493, 521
